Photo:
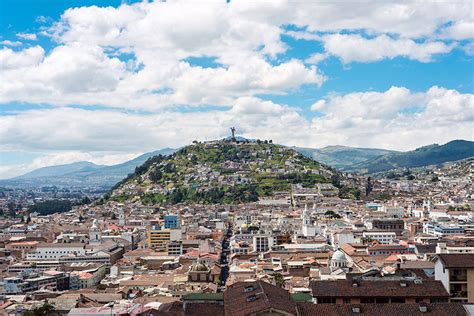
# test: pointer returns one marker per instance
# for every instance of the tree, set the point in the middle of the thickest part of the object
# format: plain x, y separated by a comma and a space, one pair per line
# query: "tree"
369, 186
278, 279
336, 180
331, 214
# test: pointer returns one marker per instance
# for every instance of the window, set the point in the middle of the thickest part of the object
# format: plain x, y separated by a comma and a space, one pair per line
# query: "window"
346, 300
367, 300
398, 300
382, 300
327, 300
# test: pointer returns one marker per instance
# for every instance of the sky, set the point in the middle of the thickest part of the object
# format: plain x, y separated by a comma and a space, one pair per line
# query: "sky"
105, 81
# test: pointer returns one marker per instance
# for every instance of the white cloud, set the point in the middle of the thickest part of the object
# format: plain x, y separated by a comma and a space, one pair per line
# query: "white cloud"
391, 119
10, 43
9, 59
396, 118
243, 37
460, 30
27, 36
316, 58
354, 47
318, 105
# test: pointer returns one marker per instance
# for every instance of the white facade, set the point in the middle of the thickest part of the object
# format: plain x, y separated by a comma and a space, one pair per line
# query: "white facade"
56, 251
382, 237
443, 248
342, 238
262, 243
442, 274
393, 211
307, 229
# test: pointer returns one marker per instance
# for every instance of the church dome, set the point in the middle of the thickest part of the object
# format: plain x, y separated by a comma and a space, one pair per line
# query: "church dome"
338, 255
199, 266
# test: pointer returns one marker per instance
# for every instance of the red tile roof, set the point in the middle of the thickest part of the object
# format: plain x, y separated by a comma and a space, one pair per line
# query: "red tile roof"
382, 288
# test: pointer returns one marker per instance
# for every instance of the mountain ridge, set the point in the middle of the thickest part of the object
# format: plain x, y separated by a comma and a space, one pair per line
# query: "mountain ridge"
420, 157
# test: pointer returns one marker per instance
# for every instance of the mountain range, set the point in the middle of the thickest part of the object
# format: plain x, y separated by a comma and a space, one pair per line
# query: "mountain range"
350, 159
420, 157
82, 174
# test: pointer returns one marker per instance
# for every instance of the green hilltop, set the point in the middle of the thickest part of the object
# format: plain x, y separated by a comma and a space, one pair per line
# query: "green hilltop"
220, 172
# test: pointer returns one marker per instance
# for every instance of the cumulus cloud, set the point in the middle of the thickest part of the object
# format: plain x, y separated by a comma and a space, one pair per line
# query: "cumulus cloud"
243, 37
397, 118
27, 36
377, 119
11, 60
10, 43
355, 47
461, 30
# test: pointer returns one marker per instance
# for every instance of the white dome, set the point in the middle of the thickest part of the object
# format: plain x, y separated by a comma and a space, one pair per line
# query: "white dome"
338, 256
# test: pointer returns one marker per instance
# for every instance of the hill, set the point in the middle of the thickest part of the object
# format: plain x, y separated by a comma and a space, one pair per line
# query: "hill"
220, 172
60, 170
81, 174
420, 157
343, 157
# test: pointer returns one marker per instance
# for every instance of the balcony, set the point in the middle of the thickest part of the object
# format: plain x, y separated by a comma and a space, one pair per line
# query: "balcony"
458, 278
459, 294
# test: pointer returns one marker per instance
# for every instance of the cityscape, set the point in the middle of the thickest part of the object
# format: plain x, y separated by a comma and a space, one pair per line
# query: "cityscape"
236, 158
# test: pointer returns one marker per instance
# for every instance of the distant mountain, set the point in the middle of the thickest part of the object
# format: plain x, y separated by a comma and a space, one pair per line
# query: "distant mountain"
342, 157
420, 157
82, 174
60, 170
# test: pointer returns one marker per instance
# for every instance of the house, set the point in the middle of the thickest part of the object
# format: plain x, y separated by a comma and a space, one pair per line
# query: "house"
456, 273
257, 298
363, 291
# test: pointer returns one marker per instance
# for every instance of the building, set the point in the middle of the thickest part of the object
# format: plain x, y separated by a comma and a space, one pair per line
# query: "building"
307, 228
393, 211
159, 238
456, 272
95, 235
257, 298
171, 221
442, 247
262, 243
51, 280
393, 225
46, 251
327, 189
378, 250
439, 230
378, 291
383, 237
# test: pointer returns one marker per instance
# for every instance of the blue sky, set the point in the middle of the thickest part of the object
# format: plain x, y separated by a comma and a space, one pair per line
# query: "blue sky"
105, 81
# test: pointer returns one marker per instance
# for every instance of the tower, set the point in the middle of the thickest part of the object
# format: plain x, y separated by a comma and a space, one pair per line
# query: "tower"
307, 229
95, 235
232, 130
121, 216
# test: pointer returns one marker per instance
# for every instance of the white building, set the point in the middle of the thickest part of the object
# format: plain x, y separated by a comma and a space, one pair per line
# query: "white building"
56, 251
307, 229
262, 243
95, 235
393, 211
382, 237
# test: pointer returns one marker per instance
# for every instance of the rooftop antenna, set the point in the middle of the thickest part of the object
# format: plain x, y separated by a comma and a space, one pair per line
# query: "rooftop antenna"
232, 130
